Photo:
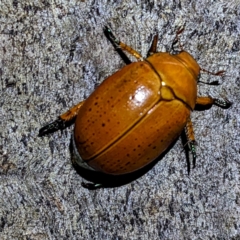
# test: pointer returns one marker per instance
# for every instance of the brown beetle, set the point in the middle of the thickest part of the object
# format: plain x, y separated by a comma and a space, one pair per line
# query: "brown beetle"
136, 113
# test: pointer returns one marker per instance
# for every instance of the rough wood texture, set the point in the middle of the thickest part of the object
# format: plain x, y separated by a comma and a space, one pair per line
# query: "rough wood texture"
53, 54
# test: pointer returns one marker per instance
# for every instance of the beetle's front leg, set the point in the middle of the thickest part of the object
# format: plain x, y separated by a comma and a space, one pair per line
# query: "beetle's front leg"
191, 143
120, 45
209, 101
63, 121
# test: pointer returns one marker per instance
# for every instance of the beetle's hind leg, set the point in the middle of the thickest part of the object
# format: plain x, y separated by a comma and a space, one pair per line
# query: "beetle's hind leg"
92, 186
109, 35
63, 121
122, 46
191, 143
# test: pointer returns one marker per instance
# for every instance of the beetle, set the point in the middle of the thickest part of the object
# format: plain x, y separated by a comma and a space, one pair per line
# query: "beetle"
135, 114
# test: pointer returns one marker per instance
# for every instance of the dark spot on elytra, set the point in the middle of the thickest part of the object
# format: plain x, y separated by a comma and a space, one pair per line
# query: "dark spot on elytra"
103, 124
89, 109
154, 147
127, 163
96, 103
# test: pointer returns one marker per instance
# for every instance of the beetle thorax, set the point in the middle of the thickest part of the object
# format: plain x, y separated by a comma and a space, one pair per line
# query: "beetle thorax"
178, 75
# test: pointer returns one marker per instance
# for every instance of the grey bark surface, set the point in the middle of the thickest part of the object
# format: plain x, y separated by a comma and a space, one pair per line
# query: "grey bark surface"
53, 54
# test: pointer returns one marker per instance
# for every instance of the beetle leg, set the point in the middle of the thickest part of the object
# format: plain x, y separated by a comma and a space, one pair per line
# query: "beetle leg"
109, 35
177, 39
191, 142
92, 186
71, 113
63, 121
153, 48
131, 51
209, 101
118, 44
220, 73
